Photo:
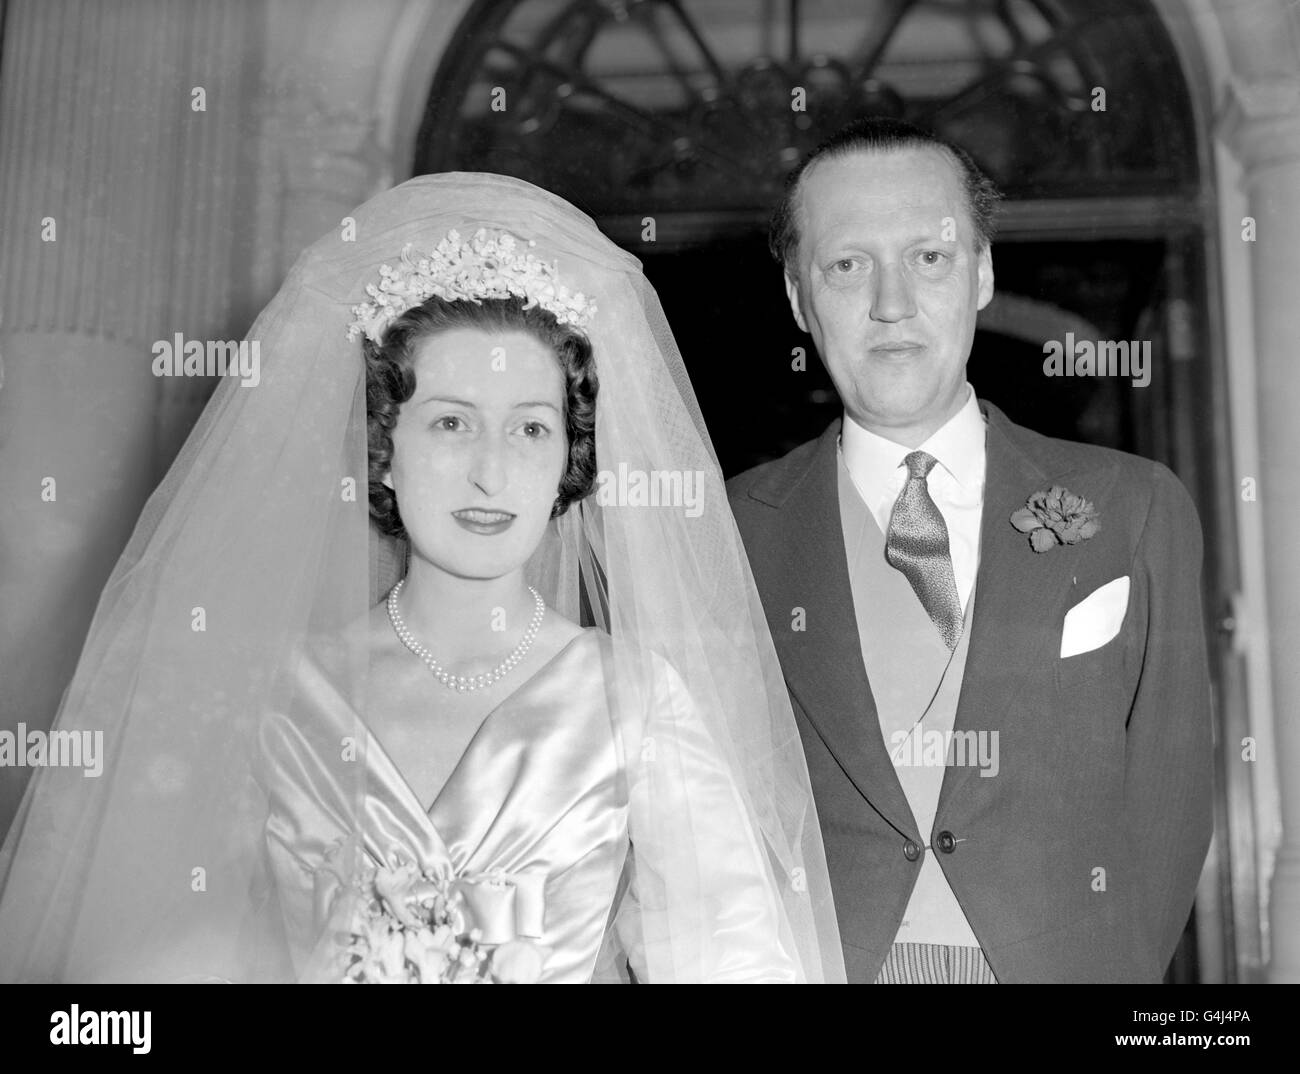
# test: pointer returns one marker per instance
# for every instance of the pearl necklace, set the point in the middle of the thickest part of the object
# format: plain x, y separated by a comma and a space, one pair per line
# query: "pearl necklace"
467, 682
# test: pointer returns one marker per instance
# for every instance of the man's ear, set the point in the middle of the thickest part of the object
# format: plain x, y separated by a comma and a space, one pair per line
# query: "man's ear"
792, 293
984, 273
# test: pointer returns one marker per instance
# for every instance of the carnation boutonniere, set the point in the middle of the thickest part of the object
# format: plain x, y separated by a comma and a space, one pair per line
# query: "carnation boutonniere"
1054, 517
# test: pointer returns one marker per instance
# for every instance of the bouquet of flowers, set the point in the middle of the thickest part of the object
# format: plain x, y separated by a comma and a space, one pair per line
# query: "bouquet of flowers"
410, 927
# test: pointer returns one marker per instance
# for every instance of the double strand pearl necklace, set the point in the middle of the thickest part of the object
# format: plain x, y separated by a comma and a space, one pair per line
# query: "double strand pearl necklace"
467, 682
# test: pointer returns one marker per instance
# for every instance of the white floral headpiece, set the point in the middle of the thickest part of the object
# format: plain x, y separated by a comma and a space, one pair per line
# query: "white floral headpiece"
490, 265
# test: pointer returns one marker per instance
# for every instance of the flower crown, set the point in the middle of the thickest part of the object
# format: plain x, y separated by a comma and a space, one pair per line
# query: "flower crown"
490, 265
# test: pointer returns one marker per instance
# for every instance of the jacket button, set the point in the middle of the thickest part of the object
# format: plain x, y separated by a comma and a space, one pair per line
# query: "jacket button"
946, 842
911, 851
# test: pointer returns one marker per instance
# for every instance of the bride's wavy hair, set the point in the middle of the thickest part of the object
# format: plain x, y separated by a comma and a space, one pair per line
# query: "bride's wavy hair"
390, 382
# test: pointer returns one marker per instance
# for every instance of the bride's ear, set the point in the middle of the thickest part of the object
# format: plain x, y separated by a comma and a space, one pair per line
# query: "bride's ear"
387, 480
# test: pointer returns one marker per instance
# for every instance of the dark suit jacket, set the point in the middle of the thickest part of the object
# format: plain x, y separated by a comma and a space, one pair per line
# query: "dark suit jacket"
1079, 860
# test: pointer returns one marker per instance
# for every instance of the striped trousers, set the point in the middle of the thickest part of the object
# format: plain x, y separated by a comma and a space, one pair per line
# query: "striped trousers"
932, 963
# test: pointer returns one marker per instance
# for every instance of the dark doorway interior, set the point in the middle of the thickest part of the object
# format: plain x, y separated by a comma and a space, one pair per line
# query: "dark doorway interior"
728, 309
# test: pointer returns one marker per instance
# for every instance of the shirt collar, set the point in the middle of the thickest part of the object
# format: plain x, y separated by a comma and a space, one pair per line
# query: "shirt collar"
958, 445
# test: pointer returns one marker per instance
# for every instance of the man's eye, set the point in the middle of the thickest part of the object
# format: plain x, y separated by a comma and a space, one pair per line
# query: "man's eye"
931, 257
844, 264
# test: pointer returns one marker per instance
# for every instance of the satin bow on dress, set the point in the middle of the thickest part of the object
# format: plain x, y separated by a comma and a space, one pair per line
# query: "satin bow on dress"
534, 825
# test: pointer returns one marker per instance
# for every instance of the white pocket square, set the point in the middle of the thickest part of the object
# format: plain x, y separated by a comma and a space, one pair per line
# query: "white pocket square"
1096, 619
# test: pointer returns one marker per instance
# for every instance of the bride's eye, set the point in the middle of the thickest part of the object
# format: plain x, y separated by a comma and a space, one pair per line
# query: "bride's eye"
534, 430
449, 423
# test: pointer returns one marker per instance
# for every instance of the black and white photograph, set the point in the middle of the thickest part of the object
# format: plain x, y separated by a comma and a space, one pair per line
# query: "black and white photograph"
651, 492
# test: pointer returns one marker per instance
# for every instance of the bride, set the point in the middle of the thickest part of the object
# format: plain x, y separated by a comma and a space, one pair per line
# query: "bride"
556, 748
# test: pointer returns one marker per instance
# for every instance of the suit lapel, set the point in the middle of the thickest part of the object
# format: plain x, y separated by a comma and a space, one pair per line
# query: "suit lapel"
1012, 627
823, 662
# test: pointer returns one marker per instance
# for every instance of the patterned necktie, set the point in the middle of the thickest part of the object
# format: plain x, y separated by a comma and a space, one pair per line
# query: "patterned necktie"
917, 545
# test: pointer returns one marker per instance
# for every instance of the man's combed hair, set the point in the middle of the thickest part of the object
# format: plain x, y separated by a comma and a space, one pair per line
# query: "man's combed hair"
390, 382
880, 135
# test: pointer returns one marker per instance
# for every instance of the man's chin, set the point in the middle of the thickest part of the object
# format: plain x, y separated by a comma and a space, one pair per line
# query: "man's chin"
905, 414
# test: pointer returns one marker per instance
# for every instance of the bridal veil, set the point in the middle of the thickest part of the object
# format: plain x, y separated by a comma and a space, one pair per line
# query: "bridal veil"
259, 537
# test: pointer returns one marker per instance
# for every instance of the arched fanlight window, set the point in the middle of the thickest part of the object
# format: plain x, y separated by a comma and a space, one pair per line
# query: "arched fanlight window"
681, 106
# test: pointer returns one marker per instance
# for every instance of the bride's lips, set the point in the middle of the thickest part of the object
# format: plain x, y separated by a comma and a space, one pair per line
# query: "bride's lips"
483, 521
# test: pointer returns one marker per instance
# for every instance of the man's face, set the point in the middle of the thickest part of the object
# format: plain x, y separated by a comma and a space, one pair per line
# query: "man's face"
887, 280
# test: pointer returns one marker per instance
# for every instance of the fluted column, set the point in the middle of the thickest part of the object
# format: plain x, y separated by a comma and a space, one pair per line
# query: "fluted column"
119, 210
1262, 127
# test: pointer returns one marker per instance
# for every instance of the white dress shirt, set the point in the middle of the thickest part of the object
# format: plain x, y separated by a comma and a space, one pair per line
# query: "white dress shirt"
956, 484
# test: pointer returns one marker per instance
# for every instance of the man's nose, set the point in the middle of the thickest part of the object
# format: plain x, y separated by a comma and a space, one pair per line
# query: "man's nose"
488, 468
893, 299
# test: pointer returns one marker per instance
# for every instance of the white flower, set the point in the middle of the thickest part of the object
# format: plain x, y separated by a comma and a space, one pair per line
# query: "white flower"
391, 956
408, 926
518, 962
429, 952
394, 885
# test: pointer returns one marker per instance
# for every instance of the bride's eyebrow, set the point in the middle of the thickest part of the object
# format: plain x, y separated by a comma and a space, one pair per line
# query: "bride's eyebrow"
448, 399
537, 402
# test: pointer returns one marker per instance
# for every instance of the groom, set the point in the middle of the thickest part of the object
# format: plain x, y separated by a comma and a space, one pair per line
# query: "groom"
992, 639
